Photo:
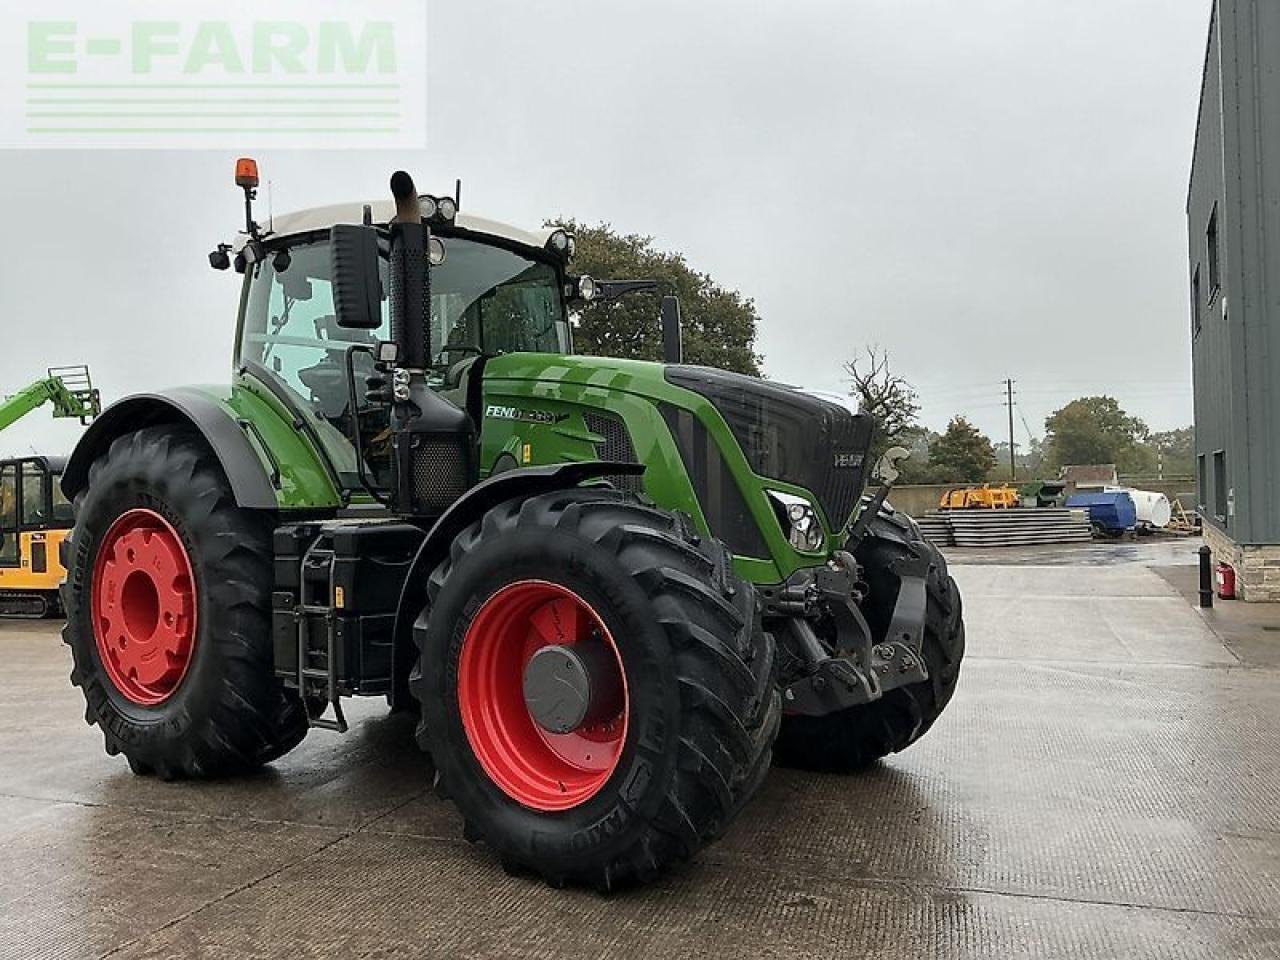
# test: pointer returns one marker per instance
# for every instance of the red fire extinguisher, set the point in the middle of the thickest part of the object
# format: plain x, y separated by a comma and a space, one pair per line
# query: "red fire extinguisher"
1226, 581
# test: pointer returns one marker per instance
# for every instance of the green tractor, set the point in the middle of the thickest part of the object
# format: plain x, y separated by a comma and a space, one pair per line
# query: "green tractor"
610, 590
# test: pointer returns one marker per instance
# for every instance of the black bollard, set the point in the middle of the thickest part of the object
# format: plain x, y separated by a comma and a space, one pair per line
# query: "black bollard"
1206, 578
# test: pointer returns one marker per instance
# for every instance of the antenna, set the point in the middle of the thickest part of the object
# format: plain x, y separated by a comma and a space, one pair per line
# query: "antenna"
271, 216
457, 193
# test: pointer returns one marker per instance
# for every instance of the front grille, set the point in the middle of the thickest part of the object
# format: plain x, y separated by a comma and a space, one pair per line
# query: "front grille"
617, 447
440, 469
790, 435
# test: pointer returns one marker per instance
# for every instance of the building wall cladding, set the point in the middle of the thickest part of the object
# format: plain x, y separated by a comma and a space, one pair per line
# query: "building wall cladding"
1235, 184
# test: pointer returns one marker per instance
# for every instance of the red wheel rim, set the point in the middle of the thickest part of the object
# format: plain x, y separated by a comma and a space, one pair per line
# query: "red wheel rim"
144, 607
535, 767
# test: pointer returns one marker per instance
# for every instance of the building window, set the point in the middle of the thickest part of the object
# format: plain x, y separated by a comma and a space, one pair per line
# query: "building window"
1195, 301
1202, 484
1220, 485
1211, 249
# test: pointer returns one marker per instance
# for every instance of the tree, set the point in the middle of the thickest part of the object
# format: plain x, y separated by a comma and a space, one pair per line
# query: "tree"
962, 454
719, 324
1096, 430
1175, 451
889, 398
917, 469
1029, 458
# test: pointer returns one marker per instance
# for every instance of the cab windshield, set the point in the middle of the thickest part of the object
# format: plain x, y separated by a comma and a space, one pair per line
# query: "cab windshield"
485, 299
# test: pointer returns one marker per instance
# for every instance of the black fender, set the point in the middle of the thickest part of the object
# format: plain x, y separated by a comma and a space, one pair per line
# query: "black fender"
914, 559
519, 483
226, 438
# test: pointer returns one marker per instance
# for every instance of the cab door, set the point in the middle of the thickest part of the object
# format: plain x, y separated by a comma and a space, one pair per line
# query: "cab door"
10, 554
35, 514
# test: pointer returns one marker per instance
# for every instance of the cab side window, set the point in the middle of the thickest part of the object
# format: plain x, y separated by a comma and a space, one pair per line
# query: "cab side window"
9, 515
291, 328
35, 511
63, 512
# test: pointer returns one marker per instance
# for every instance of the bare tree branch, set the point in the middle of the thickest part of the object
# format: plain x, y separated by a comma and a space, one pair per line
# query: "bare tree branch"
887, 397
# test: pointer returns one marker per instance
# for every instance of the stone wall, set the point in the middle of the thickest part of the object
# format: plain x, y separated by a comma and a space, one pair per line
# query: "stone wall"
1257, 566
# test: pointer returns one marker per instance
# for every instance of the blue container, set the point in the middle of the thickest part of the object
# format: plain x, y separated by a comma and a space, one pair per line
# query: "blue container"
1112, 513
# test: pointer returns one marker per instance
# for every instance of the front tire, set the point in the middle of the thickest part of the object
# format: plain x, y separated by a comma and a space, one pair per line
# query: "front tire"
168, 613
680, 738
857, 737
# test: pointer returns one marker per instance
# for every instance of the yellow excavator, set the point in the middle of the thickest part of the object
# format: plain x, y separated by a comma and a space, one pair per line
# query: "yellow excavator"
34, 515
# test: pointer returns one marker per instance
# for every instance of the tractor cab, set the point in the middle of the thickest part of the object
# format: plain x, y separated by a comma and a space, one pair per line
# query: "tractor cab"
495, 290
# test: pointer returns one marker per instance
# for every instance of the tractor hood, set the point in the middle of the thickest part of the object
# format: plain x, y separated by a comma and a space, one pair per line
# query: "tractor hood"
632, 376
815, 442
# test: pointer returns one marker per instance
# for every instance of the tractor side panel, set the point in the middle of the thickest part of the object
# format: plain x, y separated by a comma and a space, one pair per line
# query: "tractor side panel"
294, 462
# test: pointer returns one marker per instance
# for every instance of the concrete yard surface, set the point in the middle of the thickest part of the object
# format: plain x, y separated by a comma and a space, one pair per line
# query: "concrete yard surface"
1105, 784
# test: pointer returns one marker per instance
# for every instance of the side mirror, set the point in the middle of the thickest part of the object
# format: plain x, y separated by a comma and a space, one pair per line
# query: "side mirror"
672, 335
357, 290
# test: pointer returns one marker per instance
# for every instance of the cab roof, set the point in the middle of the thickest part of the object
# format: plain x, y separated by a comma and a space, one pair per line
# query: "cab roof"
322, 218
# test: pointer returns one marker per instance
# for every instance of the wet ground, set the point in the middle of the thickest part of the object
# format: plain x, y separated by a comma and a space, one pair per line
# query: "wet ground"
1105, 784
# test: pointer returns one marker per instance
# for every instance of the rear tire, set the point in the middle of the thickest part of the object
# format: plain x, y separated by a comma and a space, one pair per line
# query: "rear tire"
220, 708
700, 711
855, 738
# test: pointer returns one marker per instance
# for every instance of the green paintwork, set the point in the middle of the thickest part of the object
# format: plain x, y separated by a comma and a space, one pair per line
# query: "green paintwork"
563, 389
306, 482
567, 387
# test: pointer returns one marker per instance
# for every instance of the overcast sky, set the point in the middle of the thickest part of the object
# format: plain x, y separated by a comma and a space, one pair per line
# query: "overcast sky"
987, 188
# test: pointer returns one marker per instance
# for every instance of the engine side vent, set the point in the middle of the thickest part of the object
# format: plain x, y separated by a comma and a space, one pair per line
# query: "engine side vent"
441, 466
617, 446
722, 502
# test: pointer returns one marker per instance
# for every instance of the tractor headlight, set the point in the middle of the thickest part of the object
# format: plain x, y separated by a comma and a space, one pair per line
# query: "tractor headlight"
562, 242
448, 207
799, 521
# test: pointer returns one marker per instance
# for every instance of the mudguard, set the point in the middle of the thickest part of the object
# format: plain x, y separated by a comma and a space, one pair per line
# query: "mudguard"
516, 484
250, 481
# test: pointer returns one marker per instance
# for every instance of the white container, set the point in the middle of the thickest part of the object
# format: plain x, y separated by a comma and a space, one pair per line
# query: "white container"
1153, 509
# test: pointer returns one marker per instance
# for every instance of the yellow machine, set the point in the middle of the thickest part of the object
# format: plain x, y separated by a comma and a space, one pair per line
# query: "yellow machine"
34, 520
985, 497
34, 515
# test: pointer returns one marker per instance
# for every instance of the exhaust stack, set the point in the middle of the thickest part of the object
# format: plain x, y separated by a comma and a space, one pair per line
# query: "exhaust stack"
410, 294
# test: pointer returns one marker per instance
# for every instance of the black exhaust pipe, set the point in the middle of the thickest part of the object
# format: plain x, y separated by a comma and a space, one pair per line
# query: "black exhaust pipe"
434, 440
409, 298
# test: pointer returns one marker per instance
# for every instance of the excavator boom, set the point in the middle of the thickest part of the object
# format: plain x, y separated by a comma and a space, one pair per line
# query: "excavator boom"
69, 389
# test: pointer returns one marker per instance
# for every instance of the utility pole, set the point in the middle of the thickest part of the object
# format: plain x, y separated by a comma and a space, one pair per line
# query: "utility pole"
1013, 465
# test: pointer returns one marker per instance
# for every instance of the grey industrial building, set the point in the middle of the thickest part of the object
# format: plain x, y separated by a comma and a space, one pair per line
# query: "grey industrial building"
1233, 228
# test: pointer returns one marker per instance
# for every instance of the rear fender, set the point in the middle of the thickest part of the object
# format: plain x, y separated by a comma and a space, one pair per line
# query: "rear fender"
241, 431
